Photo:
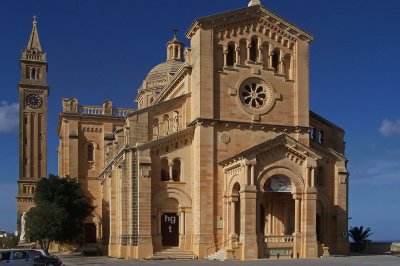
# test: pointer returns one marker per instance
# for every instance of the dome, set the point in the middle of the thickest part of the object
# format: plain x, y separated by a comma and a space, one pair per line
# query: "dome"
161, 71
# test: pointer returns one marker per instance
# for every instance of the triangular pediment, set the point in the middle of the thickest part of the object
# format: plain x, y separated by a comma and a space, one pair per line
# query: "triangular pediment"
294, 147
253, 16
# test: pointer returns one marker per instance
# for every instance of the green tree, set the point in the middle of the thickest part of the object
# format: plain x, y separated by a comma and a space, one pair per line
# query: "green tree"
360, 236
61, 208
44, 223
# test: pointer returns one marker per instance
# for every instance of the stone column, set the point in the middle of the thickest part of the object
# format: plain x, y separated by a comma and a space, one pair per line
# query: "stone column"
248, 46
297, 226
170, 164
246, 173
237, 50
182, 228
260, 57
252, 165
270, 218
310, 248
297, 211
248, 216
280, 63
312, 176
233, 202
225, 48
270, 55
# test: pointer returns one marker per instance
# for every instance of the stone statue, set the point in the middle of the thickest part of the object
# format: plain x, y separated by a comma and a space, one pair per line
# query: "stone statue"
22, 238
254, 3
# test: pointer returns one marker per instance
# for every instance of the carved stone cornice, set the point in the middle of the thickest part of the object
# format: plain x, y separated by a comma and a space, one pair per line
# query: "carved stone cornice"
327, 152
250, 15
231, 124
298, 151
168, 140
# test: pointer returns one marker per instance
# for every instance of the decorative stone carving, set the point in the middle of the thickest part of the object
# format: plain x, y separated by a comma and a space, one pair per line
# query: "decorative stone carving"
225, 138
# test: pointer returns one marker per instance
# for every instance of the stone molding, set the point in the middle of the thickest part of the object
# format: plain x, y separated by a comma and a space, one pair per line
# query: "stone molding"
250, 14
184, 200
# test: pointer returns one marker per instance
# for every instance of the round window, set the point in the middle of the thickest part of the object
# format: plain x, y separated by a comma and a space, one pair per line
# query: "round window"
256, 95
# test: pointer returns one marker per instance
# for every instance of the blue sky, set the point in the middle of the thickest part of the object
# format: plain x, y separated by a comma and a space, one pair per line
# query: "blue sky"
100, 50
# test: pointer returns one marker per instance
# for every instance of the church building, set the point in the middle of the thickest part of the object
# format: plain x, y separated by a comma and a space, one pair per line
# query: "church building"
222, 157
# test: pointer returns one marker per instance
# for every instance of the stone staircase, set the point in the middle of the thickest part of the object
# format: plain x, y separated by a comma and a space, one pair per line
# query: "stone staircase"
173, 254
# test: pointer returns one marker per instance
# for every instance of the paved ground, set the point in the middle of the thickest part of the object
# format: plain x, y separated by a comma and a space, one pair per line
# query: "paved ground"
71, 260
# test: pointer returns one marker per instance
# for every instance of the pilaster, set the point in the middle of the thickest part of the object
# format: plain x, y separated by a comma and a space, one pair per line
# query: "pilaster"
248, 222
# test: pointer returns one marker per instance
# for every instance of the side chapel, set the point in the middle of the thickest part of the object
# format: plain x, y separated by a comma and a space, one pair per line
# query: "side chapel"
223, 152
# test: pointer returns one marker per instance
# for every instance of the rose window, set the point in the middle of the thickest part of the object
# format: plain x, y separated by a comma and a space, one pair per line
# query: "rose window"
256, 95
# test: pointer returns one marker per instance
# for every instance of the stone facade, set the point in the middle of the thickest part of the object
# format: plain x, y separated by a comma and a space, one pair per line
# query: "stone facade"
222, 153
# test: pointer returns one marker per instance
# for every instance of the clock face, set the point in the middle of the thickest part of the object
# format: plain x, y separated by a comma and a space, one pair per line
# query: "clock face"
34, 101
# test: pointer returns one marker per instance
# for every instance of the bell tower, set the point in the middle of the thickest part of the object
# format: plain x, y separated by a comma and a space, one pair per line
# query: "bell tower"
33, 92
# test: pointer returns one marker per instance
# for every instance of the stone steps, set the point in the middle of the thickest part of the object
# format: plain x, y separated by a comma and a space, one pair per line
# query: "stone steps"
173, 254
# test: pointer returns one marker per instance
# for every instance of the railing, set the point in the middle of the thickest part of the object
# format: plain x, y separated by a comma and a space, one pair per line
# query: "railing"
90, 110
219, 244
121, 111
98, 110
279, 239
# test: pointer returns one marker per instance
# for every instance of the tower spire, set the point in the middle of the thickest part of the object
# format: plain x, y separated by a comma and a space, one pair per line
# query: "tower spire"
34, 43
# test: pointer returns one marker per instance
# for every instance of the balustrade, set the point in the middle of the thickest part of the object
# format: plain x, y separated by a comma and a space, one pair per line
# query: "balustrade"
279, 239
98, 110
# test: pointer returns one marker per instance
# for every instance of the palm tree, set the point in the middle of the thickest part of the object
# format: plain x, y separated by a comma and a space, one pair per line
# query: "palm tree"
360, 236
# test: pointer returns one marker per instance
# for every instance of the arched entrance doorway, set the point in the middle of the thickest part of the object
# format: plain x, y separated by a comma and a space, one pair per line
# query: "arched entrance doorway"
169, 221
277, 216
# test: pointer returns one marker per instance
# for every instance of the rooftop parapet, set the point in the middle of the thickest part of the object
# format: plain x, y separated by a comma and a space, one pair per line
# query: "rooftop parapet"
71, 106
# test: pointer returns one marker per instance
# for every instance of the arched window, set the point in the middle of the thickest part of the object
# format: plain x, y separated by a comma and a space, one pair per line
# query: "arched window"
176, 121
170, 53
90, 152
231, 55
265, 54
33, 73
164, 169
38, 73
313, 134
287, 66
253, 49
236, 202
276, 59
166, 124
321, 137
176, 170
243, 51
27, 72
156, 132
177, 52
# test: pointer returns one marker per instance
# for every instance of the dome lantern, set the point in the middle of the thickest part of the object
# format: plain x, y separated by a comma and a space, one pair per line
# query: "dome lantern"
175, 49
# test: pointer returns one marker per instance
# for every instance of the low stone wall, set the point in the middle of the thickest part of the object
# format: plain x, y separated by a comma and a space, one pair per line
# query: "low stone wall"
395, 248
373, 248
378, 247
